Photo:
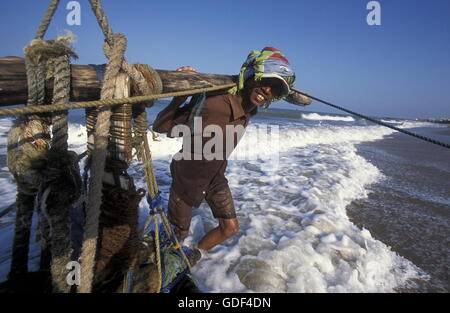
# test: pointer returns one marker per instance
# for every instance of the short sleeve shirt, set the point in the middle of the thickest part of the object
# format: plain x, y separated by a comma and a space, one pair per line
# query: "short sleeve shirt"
200, 166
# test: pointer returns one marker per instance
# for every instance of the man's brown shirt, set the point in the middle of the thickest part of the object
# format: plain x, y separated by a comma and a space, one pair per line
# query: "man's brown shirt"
194, 177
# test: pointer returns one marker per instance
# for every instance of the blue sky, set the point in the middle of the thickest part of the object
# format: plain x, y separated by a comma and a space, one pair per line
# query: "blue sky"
400, 68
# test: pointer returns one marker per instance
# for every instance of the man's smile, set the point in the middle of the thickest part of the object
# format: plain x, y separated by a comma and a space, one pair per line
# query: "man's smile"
260, 98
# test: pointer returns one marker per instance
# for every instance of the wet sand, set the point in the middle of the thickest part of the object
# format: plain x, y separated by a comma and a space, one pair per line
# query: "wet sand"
409, 210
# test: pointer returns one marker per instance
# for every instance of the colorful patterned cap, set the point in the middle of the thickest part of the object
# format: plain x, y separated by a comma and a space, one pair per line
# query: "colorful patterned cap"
269, 63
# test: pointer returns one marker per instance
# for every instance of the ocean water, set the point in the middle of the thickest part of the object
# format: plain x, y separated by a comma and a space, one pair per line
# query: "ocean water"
306, 191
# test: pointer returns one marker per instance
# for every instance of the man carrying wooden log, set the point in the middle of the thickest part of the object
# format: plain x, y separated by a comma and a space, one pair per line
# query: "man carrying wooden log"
265, 77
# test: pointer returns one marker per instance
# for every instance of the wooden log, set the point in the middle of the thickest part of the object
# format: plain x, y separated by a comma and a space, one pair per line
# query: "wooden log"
85, 85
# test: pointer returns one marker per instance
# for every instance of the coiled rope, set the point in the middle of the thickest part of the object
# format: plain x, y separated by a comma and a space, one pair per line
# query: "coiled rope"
436, 142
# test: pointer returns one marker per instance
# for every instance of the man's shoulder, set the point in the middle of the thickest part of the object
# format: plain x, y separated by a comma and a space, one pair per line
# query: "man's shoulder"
223, 97
226, 105
220, 102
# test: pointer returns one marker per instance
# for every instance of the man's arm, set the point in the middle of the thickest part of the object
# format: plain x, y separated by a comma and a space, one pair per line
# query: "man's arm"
166, 118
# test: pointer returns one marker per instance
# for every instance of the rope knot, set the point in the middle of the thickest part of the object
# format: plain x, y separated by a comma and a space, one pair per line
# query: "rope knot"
118, 48
39, 50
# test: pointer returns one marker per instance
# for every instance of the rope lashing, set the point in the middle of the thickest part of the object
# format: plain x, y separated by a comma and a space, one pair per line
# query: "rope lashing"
120, 133
151, 80
136, 75
436, 142
140, 122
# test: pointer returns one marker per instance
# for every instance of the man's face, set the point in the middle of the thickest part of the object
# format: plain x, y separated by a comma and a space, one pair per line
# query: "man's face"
263, 90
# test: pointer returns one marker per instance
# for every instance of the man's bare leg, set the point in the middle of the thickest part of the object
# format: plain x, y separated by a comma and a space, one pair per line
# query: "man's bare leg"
227, 228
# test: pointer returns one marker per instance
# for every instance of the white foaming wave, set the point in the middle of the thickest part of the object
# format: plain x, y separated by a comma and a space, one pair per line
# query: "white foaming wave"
7, 197
316, 117
7, 187
5, 126
295, 235
77, 137
414, 124
258, 143
411, 124
260, 140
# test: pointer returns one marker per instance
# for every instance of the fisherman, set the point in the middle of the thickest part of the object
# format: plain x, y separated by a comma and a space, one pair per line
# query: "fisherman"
265, 77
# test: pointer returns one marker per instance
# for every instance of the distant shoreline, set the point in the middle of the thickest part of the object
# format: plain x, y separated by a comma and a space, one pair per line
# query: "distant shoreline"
441, 121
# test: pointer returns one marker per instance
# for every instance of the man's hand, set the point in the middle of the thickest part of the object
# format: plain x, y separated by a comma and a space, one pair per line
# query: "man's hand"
182, 99
187, 68
164, 121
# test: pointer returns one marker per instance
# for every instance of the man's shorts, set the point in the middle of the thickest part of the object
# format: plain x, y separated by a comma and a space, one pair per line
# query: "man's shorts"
219, 200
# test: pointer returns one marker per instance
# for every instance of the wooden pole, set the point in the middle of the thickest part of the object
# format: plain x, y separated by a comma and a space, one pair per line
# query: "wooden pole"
85, 85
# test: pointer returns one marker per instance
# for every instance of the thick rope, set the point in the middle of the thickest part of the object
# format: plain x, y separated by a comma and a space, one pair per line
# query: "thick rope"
144, 155
151, 80
8, 209
99, 153
439, 143
63, 171
102, 20
110, 102
28, 143
36, 86
91, 118
22, 230
41, 171
61, 94
47, 19
153, 191
114, 49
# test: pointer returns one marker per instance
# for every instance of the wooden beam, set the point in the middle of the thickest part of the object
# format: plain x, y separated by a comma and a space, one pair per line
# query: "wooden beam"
85, 85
